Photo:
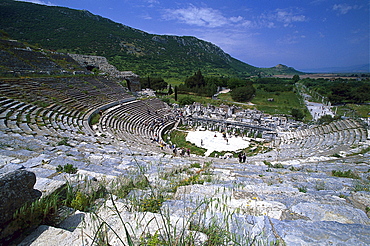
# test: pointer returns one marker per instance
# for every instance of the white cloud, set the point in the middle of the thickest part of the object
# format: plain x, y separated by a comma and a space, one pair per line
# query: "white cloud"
204, 17
344, 8
236, 19
287, 17
290, 39
321, 35
38, 2
146, 17
213, 18
152, 3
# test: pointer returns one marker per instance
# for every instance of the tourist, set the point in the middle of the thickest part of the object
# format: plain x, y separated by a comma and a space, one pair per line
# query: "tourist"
240, 156
244, 157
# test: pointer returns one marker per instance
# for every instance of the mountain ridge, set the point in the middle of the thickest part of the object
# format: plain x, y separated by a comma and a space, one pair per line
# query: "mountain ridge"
81, 32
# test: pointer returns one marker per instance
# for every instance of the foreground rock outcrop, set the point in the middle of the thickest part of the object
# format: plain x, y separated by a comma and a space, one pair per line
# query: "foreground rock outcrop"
17, 189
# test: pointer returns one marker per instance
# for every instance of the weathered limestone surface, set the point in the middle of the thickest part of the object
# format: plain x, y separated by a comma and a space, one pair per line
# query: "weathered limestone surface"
16, 190
301, 232
299, 202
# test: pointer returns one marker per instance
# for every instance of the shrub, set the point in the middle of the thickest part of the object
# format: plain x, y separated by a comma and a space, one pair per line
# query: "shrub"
216, 234
80, 202
151, 204
67, 168
267, 163
297, 114
186, 101
196, 165
95, 119
345, 174
122, 186
302, 189
64, 141
337, 155
277, 165
166, 100
362, 186
342, 196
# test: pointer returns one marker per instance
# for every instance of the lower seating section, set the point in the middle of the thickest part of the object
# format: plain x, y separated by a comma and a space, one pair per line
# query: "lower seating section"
139, 121
23, 118
328, 139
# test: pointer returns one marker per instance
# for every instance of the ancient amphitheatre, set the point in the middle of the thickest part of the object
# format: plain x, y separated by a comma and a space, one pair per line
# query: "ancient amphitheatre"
309, 186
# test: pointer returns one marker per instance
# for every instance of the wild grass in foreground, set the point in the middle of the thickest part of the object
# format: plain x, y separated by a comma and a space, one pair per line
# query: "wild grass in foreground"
136, 210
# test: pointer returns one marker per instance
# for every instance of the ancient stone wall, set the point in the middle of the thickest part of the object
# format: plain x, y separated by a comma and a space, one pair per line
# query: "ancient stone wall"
102, 64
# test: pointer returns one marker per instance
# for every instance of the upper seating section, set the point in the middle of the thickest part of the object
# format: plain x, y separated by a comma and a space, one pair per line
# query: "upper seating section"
16, 59
54, 106
76, 93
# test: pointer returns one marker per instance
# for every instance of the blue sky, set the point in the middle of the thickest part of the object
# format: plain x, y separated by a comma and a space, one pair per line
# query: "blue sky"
304, 34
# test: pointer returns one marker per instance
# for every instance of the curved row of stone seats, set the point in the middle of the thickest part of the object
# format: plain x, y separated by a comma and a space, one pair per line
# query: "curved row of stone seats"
12, 63
259, 191
37, 58
80, 93
59, 103
323, 140
20, 117
17, 58
132, 122
137, 121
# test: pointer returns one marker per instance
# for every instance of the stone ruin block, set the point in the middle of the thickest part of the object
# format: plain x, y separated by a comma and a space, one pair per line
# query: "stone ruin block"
16, 189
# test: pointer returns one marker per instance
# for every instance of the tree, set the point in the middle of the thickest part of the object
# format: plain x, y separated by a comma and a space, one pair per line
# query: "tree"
153, 83
243, 94
297, 114
361, 94
296, 78
170, 91
175, 92
325, 119
197, 80
235, 82
340, 92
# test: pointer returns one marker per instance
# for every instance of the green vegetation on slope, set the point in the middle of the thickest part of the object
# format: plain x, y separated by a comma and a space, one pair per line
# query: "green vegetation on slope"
79, 31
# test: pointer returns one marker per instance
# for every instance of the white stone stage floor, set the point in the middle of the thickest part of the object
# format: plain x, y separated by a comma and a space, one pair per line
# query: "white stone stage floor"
218, 143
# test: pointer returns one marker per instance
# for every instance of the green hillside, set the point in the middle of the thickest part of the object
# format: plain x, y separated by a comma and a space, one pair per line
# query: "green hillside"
79, 31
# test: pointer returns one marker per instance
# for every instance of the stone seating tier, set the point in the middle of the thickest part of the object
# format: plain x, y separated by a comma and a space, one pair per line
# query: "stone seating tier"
82, 93
133, 122
327, 140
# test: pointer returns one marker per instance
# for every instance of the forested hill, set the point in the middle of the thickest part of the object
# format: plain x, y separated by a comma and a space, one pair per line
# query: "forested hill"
79, 31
